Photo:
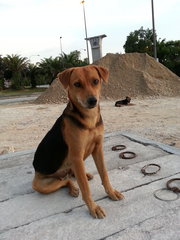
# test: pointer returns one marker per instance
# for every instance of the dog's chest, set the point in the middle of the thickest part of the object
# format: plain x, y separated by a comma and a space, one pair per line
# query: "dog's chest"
84, 148
93, 138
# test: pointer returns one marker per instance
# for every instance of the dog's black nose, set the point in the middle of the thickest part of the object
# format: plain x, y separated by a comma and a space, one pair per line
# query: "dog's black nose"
91, 102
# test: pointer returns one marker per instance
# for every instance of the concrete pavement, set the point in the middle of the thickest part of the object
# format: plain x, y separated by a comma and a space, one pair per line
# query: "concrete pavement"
21, 98
25, 214
18, 99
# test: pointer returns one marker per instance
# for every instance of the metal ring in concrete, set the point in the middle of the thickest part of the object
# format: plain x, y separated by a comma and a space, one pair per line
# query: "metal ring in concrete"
145, 172
118, 147
174, 189
127, 155
166, 195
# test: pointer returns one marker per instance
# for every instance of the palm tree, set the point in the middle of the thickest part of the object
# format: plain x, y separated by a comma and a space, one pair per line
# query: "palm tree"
72, 60
50, 67
17, 65
33, 71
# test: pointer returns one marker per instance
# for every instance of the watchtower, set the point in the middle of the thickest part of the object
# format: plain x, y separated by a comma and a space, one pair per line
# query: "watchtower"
96, 46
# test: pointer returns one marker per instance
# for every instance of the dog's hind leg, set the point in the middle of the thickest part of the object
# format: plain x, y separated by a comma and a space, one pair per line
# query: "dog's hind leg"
47, 185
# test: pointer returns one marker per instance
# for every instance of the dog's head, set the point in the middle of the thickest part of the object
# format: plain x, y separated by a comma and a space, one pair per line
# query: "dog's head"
84, 84
128, 99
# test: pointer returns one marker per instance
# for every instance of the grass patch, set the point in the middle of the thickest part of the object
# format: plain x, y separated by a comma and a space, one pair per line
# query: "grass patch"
25, 91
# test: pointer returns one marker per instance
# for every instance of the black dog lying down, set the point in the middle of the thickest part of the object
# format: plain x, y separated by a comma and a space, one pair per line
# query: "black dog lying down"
125, 101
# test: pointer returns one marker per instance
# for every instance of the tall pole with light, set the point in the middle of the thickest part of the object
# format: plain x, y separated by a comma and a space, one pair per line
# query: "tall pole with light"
61, 45
154, 31
85, 26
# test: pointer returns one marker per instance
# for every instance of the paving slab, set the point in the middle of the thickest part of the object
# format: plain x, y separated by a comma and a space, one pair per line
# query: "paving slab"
146, 142
162, 227
16, 159
138, 206
34, 204
25, 214
16, 169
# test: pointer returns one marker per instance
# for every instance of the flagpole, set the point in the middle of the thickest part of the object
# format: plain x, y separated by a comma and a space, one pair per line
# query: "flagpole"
85, 26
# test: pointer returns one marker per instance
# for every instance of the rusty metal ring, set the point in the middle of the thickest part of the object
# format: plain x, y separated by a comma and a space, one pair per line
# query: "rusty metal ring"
143, 170
162, 199
123, 155
118, 147
174, 189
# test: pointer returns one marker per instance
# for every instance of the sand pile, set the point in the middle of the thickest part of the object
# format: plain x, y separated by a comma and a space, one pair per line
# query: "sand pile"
54, 94
131, 74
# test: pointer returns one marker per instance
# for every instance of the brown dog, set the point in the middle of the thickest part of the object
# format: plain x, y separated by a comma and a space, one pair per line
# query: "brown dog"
77, 133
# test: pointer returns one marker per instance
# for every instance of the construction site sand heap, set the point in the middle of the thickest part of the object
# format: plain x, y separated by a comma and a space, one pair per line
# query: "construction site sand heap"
131, 74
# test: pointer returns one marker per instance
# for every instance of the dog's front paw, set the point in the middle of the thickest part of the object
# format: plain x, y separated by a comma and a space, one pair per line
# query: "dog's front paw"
74, 191
115, 195
97, 212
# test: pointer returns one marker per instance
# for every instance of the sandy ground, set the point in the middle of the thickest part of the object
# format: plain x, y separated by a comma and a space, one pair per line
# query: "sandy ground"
23, 125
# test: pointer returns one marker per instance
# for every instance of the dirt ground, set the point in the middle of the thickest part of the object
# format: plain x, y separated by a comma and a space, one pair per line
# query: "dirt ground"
23, 125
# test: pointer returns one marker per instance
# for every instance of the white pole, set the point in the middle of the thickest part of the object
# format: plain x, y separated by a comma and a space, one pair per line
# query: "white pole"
86, 31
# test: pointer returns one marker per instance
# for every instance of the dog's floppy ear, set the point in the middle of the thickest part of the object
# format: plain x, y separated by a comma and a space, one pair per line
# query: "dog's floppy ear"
103, 73
64, 77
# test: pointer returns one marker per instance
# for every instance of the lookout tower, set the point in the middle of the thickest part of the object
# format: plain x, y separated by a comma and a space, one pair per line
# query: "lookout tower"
96, 46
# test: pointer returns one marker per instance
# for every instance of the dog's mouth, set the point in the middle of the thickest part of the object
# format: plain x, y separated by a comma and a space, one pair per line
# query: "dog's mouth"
90, 107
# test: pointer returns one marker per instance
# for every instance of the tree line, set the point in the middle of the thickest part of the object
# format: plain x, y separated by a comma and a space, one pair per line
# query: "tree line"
20, 72
168, 52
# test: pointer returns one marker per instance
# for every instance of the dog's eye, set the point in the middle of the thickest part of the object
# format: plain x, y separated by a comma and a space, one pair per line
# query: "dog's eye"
77, 84
95, 81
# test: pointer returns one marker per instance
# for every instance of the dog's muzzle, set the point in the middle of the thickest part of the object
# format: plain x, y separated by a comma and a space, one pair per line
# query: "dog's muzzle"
91, 101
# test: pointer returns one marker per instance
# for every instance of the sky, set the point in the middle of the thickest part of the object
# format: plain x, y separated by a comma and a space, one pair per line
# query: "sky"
32, 28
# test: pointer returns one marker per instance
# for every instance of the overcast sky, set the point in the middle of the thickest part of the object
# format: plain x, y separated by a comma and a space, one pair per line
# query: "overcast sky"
34, 27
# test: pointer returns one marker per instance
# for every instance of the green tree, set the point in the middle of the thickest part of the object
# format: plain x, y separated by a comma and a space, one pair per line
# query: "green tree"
2, 68
33, 72
139, 41
168, 52
17, 65
72, 60
50, 67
